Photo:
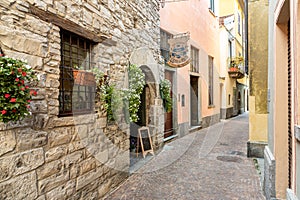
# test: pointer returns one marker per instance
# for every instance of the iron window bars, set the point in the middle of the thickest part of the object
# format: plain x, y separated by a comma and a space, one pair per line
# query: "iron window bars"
75, 97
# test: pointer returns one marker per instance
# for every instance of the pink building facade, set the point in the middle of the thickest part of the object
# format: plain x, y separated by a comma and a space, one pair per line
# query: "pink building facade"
196, 86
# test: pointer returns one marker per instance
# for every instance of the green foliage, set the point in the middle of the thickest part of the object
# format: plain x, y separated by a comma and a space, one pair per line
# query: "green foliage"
131, 96
236, 61
108, 98
113, 99
165, 92
15, 94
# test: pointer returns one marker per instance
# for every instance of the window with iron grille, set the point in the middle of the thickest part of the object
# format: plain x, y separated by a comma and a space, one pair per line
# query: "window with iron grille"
210, 81
77, 83
164, 44
194, 66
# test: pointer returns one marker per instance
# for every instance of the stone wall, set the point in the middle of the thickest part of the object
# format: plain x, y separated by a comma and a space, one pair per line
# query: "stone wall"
269, 174
79, 157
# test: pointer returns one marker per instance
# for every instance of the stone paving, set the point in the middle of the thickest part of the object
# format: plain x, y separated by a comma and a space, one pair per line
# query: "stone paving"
208, 164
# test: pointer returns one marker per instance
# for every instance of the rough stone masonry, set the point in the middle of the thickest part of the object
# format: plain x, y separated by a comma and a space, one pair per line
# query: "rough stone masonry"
78, 157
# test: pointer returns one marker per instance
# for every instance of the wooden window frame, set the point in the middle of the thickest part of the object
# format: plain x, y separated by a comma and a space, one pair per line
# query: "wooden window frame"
194, 66
164, 44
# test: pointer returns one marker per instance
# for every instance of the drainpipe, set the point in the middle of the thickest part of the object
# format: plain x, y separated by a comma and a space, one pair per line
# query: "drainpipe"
246, 37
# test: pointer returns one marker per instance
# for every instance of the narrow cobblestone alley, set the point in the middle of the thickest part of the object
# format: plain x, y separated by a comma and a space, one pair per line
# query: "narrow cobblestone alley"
207, 164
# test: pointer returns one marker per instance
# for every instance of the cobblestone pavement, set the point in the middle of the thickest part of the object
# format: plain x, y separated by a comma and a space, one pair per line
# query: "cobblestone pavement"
208, 164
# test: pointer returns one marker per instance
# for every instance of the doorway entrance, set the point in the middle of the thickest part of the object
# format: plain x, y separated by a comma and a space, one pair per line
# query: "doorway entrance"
194, 107
169, 131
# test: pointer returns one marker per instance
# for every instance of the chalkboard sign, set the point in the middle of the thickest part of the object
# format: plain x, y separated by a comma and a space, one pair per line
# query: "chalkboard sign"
145, 141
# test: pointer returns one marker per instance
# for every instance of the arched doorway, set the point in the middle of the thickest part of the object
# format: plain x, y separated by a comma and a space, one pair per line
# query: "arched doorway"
148, 113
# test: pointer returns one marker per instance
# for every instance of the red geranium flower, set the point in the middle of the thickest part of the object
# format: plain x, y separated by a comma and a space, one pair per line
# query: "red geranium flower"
3, 112
19, 70
22, 81
28, 101
17, 79
13, 100
24, 74
22, 88
33, 92
14, 110
19, 85
7, 96
26, 86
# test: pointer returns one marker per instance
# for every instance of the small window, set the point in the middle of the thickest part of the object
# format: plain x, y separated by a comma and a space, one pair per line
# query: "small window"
210, 81
212, 6
194, 66
182, 100
229, 98
77, 85
239, 23
164, 45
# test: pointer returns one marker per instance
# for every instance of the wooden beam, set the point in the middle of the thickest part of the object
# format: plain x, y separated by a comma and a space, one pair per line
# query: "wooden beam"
70, 26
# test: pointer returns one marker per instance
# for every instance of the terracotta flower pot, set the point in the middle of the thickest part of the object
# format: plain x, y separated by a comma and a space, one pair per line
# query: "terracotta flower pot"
82, 77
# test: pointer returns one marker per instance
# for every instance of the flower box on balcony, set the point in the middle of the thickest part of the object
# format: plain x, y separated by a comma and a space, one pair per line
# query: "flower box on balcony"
236, 73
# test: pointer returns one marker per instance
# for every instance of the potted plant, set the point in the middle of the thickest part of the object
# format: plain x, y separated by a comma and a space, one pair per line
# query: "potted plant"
83, 77
235, 63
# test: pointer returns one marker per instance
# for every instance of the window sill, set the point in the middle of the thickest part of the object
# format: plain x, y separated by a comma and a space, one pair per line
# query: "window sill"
211, 106
212, 12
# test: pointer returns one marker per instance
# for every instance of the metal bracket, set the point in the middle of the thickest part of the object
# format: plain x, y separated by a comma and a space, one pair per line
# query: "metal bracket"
163, 2
297, 132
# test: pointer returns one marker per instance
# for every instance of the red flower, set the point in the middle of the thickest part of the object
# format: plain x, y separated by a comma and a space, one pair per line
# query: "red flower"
14, 110
22, 81
13, 100
17, 79
19, 70
19, 85
33, 92
22, 88
3, 112
26, 86
24, 74
7, 96
28, 106
28, 101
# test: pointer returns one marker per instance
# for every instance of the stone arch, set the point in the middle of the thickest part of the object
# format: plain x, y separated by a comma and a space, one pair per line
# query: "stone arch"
143, 58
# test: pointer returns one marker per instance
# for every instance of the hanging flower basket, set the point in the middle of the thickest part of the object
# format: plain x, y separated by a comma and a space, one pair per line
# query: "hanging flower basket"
15, 95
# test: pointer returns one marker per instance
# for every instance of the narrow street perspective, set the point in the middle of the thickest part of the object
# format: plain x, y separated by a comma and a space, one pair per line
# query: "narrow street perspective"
223, 173
149, 99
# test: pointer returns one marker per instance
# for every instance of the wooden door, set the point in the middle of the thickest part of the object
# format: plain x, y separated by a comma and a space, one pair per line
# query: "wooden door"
169, 115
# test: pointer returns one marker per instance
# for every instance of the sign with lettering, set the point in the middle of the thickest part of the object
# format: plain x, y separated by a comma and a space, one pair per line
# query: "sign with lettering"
179, 50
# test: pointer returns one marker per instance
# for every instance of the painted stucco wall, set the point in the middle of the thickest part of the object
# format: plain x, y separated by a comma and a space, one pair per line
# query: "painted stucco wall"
228, 83
278, 106
258, 70
196, 18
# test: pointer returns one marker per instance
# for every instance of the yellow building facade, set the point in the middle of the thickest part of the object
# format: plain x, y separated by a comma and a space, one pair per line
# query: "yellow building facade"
234, 81
258, 73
